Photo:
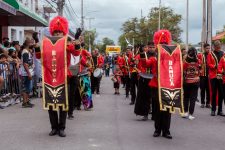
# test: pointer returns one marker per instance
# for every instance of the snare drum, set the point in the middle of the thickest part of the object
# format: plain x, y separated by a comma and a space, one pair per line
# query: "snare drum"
98, 73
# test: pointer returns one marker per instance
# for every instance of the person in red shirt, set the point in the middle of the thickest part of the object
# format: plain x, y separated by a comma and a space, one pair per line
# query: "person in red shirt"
117, 80
204, 79
143, 100
59, 28
213, 60
221, 71
162, 119
134, 74
125, 67
191, 68
98, 62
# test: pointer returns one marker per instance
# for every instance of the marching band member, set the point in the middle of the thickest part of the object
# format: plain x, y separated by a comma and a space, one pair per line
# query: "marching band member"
204, 79
162, 118
125, 67
117, 80
98, 61
134, 75
213, 60
58, 28
191, 68
143, 100
84, 77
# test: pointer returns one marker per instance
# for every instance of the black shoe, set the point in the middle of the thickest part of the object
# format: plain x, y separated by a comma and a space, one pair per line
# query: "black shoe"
202, 106
145, 118
213, 113
26, 105
70, 117
30, 104
221, 114
78, 108
207, 106
131, 103
62, 133
168, 136
53, 132
156, 134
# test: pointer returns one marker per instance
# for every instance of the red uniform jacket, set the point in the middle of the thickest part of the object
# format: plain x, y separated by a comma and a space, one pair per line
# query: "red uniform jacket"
191, 71
212, 64
100, 61
124, 64
221, 67
204, 66
84, 55
70, 50
152, 63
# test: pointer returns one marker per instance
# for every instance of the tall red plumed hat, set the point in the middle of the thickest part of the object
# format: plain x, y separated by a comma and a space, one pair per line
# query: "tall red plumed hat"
59, 24
162, 37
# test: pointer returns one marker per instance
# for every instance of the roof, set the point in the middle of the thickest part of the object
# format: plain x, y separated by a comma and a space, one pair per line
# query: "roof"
219, 36
24, 16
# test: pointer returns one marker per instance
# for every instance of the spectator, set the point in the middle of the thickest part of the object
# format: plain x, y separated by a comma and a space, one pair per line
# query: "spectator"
27, 72
12, 57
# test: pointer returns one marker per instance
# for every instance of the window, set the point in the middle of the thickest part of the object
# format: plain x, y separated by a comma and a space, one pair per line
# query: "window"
21, 37
13, 34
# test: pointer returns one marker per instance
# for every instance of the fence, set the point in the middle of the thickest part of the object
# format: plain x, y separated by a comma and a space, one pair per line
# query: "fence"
10, 88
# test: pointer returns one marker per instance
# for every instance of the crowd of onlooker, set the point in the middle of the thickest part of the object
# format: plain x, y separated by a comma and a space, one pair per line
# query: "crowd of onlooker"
15, 59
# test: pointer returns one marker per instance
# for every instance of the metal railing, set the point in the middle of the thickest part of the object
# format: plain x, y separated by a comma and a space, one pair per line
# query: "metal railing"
10, 89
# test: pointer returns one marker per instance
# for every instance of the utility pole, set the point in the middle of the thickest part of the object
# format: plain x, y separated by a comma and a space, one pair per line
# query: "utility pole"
82, 15
187, 25
89, 34
204, 32
209, 22
159, 15
60, 5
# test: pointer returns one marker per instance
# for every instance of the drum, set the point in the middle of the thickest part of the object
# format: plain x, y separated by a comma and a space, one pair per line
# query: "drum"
146, 75
74, 69
98, 73
114, 79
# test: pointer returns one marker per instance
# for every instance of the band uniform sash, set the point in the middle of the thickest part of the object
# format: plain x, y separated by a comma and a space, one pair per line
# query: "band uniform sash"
170, 78
54, 70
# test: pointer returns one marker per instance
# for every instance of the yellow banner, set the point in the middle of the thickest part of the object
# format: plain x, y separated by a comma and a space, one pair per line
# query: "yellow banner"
113, 49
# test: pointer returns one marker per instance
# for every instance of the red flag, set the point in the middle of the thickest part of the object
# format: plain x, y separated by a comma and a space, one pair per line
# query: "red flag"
54, 70
170, 78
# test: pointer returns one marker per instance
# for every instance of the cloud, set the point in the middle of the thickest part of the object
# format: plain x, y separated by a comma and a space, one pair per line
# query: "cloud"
110, 15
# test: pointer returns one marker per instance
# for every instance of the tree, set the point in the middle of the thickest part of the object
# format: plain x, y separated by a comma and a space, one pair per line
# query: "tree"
93, 35
106, 41
142, 30
169, 21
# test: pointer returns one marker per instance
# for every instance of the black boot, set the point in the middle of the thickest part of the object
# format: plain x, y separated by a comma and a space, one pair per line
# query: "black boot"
53, 132
62, 133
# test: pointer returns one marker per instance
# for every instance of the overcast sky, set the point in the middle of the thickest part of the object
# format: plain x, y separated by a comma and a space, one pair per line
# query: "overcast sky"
111, 14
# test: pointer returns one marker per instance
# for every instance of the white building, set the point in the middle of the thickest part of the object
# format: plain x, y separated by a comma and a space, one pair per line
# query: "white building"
18, 33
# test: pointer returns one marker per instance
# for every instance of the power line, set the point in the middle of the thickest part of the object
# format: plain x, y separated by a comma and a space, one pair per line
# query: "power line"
72, 8
50, 4
71, 15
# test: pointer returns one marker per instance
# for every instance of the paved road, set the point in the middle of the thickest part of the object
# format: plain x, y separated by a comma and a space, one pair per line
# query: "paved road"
112, 125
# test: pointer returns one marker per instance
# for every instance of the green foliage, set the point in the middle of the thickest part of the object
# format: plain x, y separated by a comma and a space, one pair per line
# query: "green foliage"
93, 35
142, 30
102, 46
223, 40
